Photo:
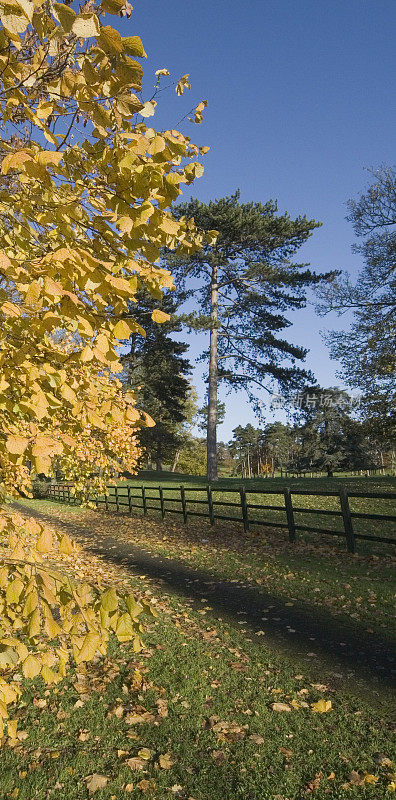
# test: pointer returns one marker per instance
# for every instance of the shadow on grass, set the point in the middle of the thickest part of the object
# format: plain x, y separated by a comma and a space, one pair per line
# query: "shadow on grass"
306, 630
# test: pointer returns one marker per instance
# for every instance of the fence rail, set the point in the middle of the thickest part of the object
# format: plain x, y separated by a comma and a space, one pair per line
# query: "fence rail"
178, 500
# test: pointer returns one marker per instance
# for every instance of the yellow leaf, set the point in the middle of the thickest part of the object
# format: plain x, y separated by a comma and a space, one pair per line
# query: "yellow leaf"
369, 778
14, 590
44, 543
50, 625
132, 45
124, 630
48, 157
86, 25
321, 706
16, 444
34, 624
148, 109
280, 707
122, 329
65, 15
110, 40
165, 761
33, 293
145, 753
49, 676
31, 667
95, 782
89, 648
12, 725
159, 316
66, 545
133, 606
109, 600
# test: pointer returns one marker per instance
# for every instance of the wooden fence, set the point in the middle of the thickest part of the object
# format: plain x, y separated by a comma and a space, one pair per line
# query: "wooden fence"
200, 501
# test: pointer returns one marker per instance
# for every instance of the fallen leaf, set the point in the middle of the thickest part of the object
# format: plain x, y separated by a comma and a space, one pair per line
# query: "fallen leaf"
136, 763
144, 753
165, 761
145, 785
321, 706
280, 707
95, 782
256, 738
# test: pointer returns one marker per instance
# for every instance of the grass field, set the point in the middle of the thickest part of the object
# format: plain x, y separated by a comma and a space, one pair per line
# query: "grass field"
200, 722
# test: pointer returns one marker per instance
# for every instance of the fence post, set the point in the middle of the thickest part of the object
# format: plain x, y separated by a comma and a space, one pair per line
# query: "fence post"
106, 499
290, 514
210, 504
144, 500
162, 504
117, 499
184, 504
244, 507
346, 515
129, 500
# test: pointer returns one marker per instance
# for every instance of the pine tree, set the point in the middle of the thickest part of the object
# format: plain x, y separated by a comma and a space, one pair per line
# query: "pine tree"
330, 438
155, 369
242, 286
366, 350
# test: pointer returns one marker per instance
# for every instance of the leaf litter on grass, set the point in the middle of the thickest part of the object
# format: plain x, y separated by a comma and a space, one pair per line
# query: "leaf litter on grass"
228, 731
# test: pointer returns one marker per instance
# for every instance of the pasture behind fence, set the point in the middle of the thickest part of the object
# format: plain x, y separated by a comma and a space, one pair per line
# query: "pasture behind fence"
251, 507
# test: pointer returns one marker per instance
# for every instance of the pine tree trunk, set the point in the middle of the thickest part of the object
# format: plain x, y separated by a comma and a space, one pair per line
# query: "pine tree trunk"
211, 440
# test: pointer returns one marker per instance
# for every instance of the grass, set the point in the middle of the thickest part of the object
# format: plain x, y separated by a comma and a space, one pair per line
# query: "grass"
216, 682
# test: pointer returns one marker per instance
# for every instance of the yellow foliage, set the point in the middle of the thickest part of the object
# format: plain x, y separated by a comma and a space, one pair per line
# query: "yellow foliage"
83, 223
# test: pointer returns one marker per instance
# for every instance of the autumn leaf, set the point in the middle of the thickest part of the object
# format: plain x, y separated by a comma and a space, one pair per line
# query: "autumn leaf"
95, 782
165, 761
280, 707
321, 706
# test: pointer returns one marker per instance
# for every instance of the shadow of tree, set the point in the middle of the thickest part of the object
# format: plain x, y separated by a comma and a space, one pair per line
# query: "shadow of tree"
304, 629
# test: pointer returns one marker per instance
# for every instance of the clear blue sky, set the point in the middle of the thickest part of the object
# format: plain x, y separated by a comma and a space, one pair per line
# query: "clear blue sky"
300, 101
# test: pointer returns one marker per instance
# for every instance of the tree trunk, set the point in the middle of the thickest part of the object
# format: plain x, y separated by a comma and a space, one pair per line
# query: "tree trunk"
176, 460
158, 459
329, 472
211, 441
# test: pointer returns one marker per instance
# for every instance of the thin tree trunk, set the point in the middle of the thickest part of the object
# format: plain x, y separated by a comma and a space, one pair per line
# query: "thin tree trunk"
211, 440
159, 455
176, 460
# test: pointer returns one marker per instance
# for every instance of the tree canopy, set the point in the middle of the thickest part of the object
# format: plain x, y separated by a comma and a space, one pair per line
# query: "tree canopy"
158, 373
243, 284
85, 190
366, 350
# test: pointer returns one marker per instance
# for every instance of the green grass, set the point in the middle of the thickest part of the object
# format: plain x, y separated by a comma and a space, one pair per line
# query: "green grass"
210, 670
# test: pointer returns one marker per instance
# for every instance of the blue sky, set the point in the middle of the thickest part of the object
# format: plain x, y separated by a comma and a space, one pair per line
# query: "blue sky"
300, 102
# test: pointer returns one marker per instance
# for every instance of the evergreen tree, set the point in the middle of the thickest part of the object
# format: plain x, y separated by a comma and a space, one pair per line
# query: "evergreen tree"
330, 438
245, 449
367, 349
155, 369
277, 441
242, 286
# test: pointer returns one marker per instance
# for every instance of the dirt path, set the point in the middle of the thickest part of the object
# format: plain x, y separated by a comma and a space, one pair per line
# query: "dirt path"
302, 629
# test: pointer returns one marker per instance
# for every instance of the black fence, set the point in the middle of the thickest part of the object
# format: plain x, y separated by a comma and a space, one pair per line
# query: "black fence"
252, 509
